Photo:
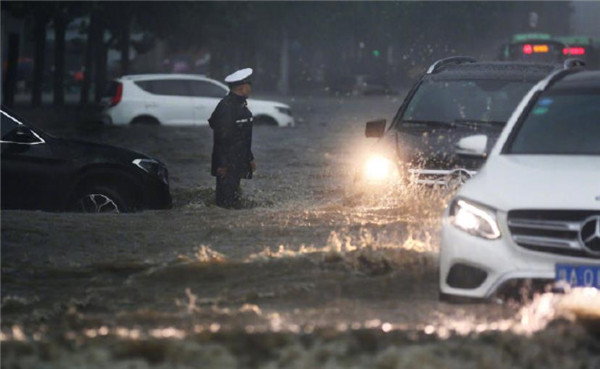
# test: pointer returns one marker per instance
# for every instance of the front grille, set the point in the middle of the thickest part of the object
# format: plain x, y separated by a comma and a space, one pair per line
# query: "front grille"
440, 177
553, 231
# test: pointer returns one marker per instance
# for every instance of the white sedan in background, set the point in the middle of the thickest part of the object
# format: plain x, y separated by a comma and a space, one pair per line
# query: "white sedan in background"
178, 99
533, 211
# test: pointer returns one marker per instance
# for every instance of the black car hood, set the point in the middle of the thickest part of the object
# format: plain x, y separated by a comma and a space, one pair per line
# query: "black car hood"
79, 149
435, 148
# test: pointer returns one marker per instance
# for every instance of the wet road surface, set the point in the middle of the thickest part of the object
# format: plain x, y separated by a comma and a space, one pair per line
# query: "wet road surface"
322, 272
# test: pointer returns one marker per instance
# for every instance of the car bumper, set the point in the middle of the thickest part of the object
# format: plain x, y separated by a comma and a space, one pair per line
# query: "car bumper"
440, 177
286, 121
283, 120
120, 114
289, 122
106, 119
449, 178
473, 267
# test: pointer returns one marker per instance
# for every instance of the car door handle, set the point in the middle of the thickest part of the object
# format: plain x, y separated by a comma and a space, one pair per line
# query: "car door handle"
151, 105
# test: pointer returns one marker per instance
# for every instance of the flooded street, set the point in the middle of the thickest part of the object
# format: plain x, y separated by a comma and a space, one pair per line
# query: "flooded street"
322, 272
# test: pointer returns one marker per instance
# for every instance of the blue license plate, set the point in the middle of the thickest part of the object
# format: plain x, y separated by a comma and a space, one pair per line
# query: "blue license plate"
579, 275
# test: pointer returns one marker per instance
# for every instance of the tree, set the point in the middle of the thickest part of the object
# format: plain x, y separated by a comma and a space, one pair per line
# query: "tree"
40, 18
9, 85
87, 58
60, 21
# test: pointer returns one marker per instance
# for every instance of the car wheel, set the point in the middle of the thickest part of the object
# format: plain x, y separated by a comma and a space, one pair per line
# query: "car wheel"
263, 120
100, 199
145, 121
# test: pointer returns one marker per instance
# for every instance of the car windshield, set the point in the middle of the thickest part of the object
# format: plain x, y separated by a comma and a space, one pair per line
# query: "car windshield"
561, 122
447, 101
7, 125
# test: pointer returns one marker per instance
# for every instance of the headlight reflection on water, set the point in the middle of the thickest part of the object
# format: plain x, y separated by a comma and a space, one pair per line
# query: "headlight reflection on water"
577, 304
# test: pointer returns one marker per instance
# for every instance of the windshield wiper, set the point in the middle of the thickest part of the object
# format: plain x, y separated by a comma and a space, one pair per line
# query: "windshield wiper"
475, 122
423, 123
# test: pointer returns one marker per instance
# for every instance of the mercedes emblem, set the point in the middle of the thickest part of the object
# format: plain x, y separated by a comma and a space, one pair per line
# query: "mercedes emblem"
589, 234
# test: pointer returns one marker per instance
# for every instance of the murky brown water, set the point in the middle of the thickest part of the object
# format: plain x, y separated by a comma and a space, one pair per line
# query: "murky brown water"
322, 273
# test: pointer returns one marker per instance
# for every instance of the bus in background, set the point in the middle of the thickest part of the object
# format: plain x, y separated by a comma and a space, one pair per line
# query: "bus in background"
533, 47
581, 47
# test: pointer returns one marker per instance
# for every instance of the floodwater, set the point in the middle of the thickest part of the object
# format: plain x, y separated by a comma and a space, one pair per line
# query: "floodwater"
322, 272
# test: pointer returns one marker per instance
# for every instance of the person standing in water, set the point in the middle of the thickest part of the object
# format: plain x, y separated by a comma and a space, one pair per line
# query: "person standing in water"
232, 157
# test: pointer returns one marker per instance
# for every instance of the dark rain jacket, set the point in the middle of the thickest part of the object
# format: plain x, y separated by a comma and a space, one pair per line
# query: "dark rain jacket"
232, 136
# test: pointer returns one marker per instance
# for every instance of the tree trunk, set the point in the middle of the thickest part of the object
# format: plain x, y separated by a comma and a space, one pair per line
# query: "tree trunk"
10, 80
100, 51
124, 45
41, 20
216, 61
284, 64
60, 26
87, 61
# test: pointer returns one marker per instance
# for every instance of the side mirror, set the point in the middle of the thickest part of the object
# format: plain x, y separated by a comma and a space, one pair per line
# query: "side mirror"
25, 134
474, 146
21, 134
375, 128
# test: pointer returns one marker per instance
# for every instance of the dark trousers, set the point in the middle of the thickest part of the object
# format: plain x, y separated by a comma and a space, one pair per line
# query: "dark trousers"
228, 191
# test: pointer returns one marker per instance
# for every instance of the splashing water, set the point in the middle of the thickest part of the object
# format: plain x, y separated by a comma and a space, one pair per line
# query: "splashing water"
322, 273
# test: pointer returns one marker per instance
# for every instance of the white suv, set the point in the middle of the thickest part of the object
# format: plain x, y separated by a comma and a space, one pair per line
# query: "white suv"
533, 211
178, 99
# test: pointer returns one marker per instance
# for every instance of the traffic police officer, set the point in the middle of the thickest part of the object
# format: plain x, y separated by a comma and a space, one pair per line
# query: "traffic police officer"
232, 157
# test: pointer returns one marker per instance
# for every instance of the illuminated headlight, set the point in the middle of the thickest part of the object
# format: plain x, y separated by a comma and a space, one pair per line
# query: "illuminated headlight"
474, 219
153, 167
379, 168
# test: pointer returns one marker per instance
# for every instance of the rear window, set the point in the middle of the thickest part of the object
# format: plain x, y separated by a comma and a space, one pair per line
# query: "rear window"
166, 87
207, 89
145, 85
536, 51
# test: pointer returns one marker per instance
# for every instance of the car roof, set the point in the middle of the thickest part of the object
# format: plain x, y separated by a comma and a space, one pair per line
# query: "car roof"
580, 79
537, 41
575, 40
142, 77
506, 70
519, 37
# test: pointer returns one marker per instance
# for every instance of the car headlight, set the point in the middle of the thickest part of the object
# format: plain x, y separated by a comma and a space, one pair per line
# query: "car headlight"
153, 167
474, 219
282, 110
378, 168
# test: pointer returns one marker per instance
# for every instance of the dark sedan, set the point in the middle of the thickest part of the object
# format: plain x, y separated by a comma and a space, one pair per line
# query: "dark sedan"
43, 172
